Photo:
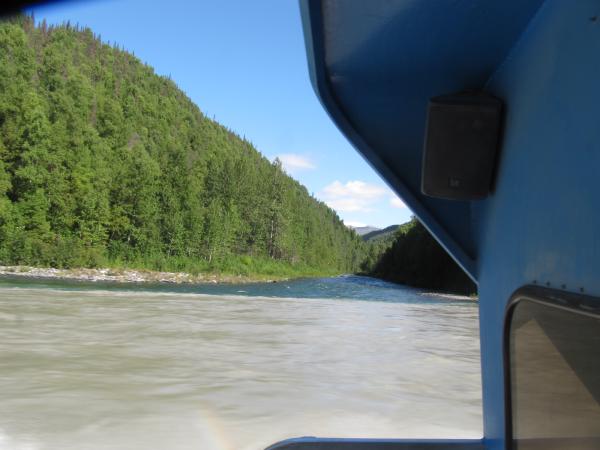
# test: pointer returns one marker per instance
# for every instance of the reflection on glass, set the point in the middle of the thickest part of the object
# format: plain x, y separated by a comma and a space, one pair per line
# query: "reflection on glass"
555, 378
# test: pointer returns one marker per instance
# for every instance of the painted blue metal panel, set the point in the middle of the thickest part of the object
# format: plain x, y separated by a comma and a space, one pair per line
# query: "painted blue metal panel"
542, 223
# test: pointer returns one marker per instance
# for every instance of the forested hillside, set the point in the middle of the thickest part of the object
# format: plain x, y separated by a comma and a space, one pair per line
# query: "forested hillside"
415, 258
376, 244
103, 162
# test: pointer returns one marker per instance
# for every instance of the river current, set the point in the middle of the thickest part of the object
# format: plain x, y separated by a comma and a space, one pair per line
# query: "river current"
232, 367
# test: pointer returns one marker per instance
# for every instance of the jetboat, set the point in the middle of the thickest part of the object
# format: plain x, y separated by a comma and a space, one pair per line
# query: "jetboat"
484, 117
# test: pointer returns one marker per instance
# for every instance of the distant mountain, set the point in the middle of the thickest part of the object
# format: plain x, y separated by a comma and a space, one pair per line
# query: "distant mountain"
361, 231
379, 234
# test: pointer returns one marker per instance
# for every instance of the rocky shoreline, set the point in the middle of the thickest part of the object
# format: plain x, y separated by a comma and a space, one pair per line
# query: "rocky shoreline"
126, 275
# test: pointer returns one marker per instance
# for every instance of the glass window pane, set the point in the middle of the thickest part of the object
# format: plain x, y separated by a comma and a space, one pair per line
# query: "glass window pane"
554, 377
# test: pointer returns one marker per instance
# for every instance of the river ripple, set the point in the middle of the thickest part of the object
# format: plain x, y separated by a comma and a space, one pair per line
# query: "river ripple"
232, 367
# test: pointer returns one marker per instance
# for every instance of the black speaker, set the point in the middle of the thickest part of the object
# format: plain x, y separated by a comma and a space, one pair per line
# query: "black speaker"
463, 133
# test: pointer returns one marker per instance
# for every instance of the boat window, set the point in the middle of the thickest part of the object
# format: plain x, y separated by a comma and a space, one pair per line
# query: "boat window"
554, 362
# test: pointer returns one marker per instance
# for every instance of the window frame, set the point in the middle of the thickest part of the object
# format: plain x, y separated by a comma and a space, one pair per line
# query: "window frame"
571, 302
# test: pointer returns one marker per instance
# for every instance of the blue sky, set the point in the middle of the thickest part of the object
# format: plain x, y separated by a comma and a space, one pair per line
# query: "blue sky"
244, 64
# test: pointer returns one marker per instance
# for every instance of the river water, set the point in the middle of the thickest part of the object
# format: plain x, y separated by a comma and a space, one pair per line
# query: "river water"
236, 367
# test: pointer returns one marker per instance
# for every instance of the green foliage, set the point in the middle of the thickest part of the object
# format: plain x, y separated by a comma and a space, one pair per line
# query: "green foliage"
415, 258
102, 162
376, 244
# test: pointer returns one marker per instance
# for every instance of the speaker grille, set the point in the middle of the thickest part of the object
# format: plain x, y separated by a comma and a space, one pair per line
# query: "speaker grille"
463, 131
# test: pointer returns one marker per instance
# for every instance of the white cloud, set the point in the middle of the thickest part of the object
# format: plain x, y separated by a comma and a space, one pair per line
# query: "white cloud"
356, 189
348, 205
353, 196
354, 224
294, 161
395, 202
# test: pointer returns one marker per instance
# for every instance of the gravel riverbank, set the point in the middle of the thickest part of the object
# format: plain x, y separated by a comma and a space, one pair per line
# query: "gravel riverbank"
126, 275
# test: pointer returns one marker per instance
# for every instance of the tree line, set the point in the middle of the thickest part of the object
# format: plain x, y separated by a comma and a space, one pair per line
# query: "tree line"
412, 256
